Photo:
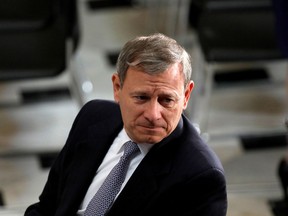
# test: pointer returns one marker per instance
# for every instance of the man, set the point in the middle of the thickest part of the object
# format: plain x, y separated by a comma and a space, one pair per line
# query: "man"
175, 173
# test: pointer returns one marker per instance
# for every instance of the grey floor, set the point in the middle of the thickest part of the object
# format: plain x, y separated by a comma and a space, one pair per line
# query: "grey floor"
28, 130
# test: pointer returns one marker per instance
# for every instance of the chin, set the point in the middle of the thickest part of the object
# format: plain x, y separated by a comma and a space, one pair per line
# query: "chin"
141, 135
151, 140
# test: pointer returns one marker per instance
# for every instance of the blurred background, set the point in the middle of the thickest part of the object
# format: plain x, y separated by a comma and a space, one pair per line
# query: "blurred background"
57, 55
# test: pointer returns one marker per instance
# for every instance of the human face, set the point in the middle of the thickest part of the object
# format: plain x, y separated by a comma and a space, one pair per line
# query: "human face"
151, 105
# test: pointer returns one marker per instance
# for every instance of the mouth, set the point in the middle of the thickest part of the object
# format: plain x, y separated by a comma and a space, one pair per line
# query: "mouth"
152, 128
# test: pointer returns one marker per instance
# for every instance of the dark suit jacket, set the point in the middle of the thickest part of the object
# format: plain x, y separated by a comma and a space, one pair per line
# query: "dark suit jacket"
179, 176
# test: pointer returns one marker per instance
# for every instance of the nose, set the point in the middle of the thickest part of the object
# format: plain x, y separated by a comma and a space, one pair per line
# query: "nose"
153, 111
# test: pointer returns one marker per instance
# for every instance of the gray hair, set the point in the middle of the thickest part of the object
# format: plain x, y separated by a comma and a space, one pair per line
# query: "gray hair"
153, 54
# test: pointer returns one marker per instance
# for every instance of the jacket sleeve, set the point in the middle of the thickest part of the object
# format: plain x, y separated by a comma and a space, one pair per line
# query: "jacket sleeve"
211, 200
51, 193
201, 195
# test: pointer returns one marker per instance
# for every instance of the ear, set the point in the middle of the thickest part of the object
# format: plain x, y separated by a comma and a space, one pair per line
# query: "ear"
188, 91
116, 86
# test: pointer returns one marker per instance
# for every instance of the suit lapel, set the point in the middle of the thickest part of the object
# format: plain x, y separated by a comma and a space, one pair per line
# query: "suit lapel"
141, 186
145, 181
90, 153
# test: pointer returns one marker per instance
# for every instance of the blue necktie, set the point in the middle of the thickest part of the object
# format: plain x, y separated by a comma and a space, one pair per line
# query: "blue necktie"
106, 194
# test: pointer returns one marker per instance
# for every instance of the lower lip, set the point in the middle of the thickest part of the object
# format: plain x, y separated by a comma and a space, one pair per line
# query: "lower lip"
152, 129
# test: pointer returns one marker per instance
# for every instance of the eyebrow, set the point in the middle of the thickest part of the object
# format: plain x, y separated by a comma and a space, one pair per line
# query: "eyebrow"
173, 94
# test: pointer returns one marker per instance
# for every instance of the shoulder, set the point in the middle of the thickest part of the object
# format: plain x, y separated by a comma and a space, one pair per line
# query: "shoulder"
100, 105
99, 109
196, 151
94, 113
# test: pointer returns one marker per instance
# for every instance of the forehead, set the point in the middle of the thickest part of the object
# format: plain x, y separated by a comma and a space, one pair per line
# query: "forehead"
171, 79
171, 73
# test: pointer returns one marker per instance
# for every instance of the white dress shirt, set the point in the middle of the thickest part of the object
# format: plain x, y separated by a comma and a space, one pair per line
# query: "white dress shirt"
110, 160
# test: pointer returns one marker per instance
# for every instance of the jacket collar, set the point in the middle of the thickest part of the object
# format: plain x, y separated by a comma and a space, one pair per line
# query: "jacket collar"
152, 168
90, 155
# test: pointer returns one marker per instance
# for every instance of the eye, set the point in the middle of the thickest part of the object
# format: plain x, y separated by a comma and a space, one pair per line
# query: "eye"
167, 102
141, 98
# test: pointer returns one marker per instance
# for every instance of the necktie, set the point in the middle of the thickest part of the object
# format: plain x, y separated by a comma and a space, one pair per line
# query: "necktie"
105, 196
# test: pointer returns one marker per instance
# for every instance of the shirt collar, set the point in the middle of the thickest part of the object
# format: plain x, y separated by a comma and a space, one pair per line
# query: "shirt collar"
144, 147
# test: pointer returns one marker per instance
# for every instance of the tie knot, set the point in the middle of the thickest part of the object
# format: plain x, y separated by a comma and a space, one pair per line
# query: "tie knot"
130, 149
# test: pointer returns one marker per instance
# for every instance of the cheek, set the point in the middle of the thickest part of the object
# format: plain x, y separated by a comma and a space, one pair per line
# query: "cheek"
168, 116
129, 112
172, 118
